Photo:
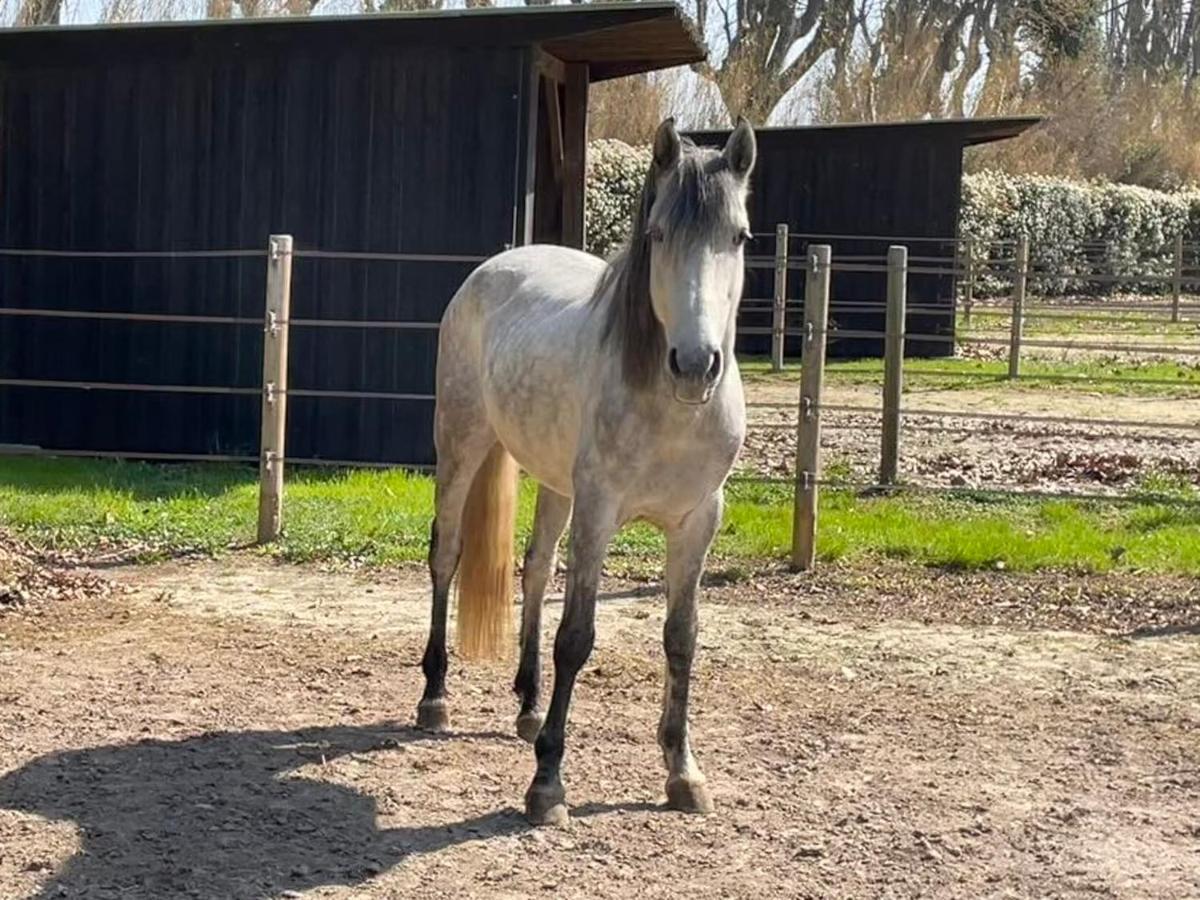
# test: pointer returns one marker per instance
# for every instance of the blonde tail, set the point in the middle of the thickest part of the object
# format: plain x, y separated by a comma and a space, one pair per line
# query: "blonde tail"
485, 570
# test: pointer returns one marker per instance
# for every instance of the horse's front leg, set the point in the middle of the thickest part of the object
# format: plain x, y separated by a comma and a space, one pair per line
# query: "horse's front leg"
592, 526
687, 548
549, 521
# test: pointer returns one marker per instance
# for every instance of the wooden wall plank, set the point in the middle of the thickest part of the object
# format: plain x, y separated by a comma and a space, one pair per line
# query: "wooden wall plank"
183, 150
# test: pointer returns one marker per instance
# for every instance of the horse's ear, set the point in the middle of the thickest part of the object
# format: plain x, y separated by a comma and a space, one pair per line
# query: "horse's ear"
741, 149
666, 145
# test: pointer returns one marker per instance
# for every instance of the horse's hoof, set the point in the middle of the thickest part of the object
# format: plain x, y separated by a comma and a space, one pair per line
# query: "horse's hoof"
688, 795
546, 805
528, 725
433, 715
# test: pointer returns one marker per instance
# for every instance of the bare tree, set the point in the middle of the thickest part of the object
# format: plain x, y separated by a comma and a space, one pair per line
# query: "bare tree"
39, 12
930, 49
1152, 37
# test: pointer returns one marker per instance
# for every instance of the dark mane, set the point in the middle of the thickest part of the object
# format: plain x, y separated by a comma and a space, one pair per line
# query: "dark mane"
695, 198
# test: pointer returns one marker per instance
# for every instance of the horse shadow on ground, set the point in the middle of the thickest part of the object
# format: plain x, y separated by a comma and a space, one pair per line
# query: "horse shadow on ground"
220, 816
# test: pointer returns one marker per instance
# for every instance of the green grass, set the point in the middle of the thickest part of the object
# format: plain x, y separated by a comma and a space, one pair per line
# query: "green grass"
383, 517
1179, 379
371, 516
979, 532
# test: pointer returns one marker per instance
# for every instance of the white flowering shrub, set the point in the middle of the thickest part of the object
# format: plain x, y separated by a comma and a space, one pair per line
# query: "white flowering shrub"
1075, 228
616, 172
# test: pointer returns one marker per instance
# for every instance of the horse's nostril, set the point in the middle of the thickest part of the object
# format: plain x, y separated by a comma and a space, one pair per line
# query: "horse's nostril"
673, 362
714, 368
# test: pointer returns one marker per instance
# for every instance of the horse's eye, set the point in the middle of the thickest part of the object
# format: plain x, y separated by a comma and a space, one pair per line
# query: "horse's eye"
742, 236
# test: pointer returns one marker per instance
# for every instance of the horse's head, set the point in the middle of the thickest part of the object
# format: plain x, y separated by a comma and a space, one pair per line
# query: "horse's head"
696, 224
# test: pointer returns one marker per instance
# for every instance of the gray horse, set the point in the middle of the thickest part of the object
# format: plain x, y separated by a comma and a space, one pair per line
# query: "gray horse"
616, 388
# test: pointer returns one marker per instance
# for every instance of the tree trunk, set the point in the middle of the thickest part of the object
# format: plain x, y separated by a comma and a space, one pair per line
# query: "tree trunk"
39, 12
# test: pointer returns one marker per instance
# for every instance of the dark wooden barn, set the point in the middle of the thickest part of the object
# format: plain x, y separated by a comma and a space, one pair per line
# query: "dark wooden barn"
449, 134
860, 188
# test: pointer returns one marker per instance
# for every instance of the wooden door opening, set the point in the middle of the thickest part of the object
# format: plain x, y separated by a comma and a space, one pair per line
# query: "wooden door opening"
561, 152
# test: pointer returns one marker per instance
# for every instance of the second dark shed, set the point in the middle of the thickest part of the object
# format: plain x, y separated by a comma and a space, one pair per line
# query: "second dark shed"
861, 187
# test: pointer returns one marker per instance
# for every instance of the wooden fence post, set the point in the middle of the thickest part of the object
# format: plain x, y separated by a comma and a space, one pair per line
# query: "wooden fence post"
808, 427
893, 362
274, 381
1018, 306
779, 318
969, 281
1177, 278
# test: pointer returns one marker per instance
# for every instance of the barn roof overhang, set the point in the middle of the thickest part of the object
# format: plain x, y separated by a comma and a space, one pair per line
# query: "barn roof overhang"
970, 132
614, 39
986, 130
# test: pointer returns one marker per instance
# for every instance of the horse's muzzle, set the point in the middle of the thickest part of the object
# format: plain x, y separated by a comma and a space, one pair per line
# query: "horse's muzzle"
695, 373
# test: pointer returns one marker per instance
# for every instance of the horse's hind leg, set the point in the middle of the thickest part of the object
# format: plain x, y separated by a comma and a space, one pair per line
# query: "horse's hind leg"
687, 547
549, 521
455, 471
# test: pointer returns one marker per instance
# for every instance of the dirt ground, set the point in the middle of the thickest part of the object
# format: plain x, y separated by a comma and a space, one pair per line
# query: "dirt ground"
1082, 457
969, 453
240, 729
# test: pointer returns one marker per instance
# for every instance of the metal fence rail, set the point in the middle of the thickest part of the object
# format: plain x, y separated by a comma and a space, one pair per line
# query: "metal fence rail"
273, 389
896, 413
808, 318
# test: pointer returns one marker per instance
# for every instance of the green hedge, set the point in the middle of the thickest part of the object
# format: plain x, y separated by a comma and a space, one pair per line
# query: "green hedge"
1066, 221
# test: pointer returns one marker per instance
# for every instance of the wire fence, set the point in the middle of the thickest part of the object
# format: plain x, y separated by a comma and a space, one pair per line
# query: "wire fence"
273, 390
800, 432
856, 435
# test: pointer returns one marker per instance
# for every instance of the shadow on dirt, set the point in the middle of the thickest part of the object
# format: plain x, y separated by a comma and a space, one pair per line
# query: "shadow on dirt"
1165, 631
221, 816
